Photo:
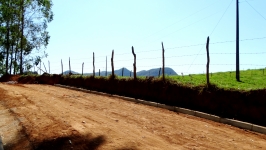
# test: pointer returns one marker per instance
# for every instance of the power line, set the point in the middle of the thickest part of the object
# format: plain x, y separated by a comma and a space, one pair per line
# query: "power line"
190, 25
211, 33
221, 18
181, 20
256, 10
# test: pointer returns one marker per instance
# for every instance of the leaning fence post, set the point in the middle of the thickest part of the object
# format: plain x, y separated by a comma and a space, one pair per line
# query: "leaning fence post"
208, 62
45, 68
112, 64
134, 65
163, 61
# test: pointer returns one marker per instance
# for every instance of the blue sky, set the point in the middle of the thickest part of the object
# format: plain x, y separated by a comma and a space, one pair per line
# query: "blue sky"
82, 27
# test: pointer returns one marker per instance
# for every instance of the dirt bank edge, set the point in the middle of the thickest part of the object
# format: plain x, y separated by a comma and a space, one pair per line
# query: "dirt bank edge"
235, 123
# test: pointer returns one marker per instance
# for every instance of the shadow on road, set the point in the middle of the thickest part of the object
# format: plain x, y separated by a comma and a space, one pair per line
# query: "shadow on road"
72, 142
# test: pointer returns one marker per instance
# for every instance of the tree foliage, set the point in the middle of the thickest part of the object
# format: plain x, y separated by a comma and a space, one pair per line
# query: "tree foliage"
23, 30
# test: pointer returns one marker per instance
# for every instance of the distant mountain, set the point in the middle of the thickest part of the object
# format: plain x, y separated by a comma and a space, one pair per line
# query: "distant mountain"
151, 72
155, 72
67, 72
117, 72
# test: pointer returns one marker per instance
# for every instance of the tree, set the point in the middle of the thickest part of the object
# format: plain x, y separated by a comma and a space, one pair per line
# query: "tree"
35, 14
23, 25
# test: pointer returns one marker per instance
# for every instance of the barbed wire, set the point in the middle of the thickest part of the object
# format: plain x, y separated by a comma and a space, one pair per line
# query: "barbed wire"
190, 15
158, 66
179, 47
176, 56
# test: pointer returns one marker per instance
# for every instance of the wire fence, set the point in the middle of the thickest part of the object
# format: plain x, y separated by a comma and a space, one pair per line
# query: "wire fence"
179, 62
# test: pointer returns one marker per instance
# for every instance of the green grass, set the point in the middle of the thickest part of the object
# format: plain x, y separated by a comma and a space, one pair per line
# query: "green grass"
250, 79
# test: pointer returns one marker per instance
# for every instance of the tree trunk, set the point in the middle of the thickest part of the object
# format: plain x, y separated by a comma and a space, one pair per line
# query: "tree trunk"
15, 60
7, 43
11, 59
22, 35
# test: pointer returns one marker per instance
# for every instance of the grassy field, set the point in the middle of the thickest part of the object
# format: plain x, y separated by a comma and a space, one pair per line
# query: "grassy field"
250, 79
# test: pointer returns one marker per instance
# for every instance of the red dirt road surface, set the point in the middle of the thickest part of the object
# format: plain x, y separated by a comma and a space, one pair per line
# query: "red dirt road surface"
47, 117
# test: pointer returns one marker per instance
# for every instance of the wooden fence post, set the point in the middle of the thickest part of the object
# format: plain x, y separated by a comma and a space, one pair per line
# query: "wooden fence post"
134, 64
45, 68
49, 66
82, 68
163, 60
106, 67
122, 71
208, 62
93, 66
159, 73
62, 66
130, 73
112, 64
69, 67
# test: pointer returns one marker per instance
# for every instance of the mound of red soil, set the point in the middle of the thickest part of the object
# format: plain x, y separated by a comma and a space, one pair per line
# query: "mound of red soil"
6, 78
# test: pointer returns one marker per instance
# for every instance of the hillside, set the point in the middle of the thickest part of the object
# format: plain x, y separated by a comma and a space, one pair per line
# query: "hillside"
151, 72
155, 72
67, 72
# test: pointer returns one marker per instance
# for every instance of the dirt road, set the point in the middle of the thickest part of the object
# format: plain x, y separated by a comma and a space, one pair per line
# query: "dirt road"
48, 117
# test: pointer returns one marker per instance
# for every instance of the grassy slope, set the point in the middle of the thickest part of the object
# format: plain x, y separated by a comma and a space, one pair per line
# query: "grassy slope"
250, 79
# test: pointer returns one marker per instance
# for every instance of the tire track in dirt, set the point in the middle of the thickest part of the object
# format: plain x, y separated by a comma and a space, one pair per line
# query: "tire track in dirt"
103, 117
34, 119
168, 126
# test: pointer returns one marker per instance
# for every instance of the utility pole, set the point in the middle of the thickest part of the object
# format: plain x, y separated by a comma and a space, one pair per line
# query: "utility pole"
237, 42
